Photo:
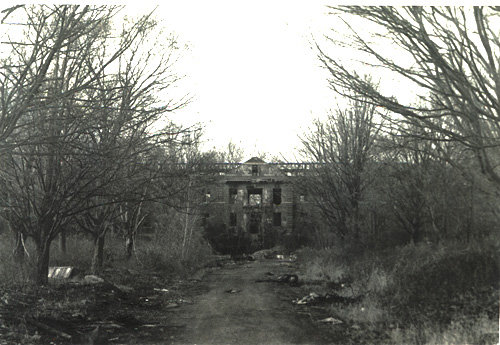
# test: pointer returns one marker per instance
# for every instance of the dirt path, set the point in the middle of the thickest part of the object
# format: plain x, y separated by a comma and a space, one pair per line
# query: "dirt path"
257, 313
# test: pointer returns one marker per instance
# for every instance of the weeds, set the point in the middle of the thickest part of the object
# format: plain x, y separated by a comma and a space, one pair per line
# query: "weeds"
424, 294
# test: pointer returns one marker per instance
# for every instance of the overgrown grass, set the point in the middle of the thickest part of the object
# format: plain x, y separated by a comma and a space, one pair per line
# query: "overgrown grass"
161, 253
13, 273
422, 294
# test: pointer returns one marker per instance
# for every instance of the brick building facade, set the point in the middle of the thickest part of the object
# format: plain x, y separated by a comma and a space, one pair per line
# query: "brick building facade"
254, 205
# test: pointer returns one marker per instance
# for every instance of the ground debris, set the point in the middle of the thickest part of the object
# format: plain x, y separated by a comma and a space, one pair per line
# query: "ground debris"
315, 298
331, 320
60, 272
93, 279
291, 279
49, 329
160, 290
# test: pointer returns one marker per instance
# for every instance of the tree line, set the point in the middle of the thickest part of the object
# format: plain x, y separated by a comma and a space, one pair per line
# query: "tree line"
422, 170
80, 145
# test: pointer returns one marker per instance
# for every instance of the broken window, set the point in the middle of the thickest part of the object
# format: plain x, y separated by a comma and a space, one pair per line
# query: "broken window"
276, 196
254, 196
233, 193
232, 219
255, 170
277, 219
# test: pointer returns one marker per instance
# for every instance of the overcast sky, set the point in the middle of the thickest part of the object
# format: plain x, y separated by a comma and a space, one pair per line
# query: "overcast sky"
251, 69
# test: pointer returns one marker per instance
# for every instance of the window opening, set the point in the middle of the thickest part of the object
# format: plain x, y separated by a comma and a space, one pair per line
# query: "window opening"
254, 196
255, 170
277, 219
276, 196
233, 193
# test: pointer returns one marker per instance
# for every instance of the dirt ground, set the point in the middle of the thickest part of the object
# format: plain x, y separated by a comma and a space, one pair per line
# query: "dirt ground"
236, 303
236, 309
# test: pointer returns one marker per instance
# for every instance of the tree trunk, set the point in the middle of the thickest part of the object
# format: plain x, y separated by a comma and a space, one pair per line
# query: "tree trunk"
98, 258
129, 246
41, 274
62, 242
18, 252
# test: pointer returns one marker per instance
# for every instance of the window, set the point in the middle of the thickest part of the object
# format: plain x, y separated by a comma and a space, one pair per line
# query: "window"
302, 198
254, 196
277, 219
255, 170
276, 196
207, 196
233, 193
232, 219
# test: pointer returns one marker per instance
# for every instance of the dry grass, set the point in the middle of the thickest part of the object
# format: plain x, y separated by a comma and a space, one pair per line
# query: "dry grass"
425, 294
459, 331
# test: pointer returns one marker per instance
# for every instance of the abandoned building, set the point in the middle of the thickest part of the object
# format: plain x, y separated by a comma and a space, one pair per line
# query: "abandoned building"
254, 205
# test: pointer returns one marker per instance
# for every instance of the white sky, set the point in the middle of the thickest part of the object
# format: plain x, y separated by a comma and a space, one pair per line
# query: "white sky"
250, 67
252, 70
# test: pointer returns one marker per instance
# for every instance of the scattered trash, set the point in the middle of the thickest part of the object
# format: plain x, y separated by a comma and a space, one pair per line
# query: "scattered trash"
161, 290
331, 320
231, 291
280, 257
288, 278
92, 279
171, 305
61, 272
150, 325
109, 325
307, 299
355, 327
125, 288
314, 298
269, 274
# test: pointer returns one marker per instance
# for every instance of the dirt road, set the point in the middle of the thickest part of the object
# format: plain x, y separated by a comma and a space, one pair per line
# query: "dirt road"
250, 313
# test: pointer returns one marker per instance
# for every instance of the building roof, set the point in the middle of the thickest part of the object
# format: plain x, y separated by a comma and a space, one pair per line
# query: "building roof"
255, 160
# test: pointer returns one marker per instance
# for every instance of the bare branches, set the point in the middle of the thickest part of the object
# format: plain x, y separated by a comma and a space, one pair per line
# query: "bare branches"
343, 144
455, 62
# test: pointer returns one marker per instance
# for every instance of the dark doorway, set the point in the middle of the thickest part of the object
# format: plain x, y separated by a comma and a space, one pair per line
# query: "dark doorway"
254, 224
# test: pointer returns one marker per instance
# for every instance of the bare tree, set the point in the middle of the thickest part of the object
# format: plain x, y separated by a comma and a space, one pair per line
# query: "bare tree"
85, 120
342, 146
454, 70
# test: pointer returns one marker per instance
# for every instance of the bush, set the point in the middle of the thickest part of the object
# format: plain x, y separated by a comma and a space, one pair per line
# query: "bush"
168, 254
